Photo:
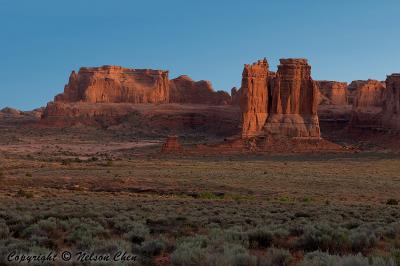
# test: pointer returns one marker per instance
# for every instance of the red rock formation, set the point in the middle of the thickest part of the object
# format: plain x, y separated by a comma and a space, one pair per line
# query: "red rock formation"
113, 84
367, 104
391, 109
254, 97
332, 92
293, 111
184, 90
171, 145
235, 95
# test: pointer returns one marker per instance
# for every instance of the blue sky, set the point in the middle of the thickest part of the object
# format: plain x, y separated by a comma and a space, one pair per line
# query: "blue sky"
42, 41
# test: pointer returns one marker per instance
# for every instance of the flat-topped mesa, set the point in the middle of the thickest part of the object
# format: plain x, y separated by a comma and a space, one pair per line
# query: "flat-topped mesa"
391, 109
368, 102
254, 97
185, 90
293, 110
332, 92
114, 84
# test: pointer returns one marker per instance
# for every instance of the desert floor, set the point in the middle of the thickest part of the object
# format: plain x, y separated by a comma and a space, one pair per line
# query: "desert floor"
88, 190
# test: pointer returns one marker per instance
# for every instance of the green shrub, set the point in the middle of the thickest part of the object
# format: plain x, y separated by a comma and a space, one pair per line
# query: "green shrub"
209, 196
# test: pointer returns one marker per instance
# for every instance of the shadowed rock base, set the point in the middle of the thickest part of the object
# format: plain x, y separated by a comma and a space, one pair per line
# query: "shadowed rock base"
292, 126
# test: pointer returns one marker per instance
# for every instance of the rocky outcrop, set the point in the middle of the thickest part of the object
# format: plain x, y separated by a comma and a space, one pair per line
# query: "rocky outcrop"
391, 109
114, 84
368, 100
332, 92
171, 145
184, 90
254, 97
294, 101
235, 95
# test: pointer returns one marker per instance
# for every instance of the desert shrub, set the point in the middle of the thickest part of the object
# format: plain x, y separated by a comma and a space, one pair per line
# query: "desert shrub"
361, 240
152, 248
137, 232
395, 254
190, 251
4, 230
260, 237
230, 255
18, 222
232, 235
275, 257
325, 238
324, 259
2, 175
392, 202
12, 244
82, 236
28, 174
199, 251
24, 193
41, 232
109, 246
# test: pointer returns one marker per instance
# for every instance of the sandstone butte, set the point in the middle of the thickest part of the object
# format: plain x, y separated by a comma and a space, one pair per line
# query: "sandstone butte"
114, 84
368, 100
282, 104
254, 97
391, 110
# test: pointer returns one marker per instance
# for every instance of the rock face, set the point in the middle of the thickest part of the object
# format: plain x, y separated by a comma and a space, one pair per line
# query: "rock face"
171, 145
333, 92
368, 100
294, 101
254, 97
391, 109
184, 90
113, 84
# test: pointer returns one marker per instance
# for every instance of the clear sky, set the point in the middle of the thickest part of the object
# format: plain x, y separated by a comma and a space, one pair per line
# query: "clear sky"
42, 41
